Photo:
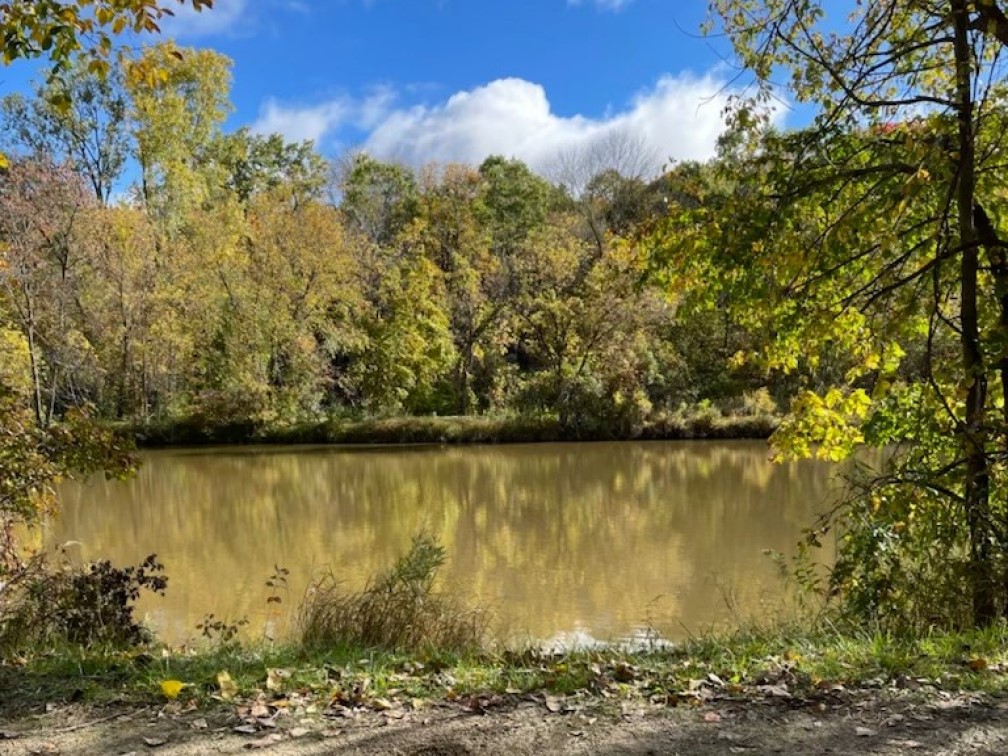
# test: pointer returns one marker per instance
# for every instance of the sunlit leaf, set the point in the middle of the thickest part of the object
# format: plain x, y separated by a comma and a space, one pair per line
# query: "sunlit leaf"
227, 686
172, 688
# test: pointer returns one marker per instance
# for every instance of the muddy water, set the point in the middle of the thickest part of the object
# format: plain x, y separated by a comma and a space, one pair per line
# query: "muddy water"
561, 540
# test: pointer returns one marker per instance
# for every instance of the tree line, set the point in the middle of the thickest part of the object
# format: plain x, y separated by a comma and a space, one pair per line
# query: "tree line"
159, 267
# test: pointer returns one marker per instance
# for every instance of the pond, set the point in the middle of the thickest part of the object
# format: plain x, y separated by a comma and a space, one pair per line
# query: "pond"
564, 542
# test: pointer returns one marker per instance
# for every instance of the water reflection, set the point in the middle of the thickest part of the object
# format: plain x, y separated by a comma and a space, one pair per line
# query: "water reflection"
561, 539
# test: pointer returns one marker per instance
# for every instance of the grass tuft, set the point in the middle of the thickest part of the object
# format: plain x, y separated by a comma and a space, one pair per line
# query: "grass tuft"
397, 611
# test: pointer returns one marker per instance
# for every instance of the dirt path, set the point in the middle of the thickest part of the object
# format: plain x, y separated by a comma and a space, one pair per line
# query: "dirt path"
858, 723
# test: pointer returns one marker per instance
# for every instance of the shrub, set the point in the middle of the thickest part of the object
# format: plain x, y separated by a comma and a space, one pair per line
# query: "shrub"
398, 610
83, 606
758, 402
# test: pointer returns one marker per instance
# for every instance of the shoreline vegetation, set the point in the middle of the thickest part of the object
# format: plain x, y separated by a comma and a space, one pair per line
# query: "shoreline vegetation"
403, 655
402, 641
700, 424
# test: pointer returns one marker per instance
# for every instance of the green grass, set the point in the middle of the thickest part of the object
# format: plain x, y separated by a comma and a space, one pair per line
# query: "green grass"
806, 662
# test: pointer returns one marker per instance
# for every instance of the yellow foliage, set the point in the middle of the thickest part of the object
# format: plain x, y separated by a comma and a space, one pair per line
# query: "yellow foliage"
826, 427
15, 363
228, 688
172, 688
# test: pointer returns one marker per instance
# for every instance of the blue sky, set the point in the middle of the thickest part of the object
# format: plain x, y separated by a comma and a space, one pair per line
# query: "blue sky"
443, 80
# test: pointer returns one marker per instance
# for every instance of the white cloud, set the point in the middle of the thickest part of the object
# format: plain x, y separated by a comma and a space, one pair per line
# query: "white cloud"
225, 17
314, 122
611, 5
680, 118
300, 123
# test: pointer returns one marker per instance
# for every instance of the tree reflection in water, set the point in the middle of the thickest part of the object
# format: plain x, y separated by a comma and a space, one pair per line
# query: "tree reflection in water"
562, 540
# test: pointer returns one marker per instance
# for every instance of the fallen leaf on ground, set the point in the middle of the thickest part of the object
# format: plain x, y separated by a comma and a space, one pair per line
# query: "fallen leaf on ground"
275, 678
266, 742
171, 688
777, 691
227, 686
624, 673
911, 744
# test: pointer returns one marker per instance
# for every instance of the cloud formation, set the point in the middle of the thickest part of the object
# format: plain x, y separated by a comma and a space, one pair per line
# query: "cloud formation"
315, 122
679, 118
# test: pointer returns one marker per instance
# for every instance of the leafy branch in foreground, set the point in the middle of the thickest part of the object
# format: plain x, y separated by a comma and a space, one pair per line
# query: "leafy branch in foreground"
875, 230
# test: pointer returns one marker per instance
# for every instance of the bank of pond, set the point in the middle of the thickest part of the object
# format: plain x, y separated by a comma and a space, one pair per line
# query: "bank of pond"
702, 424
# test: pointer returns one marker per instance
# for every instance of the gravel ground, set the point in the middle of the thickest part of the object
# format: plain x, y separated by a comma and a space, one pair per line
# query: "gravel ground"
852, 723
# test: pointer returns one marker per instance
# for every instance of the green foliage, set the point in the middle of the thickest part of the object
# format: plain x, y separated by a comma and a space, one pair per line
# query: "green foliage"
515, 202
60, 31
824, 426
57, 29
33, 459
868, 237
77, 118
409, 346
178, 101
254, 164
378, 199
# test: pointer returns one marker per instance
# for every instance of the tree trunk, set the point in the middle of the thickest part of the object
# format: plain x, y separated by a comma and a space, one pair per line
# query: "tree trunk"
996, 251
36, 372
973, 433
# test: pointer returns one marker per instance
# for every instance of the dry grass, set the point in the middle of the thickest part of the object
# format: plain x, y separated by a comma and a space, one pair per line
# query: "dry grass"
397, 611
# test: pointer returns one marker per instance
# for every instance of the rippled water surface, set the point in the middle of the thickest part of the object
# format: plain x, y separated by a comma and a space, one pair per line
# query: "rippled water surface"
562, 540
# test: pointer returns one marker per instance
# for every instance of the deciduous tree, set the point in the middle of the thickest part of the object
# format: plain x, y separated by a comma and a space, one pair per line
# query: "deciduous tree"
879, 220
